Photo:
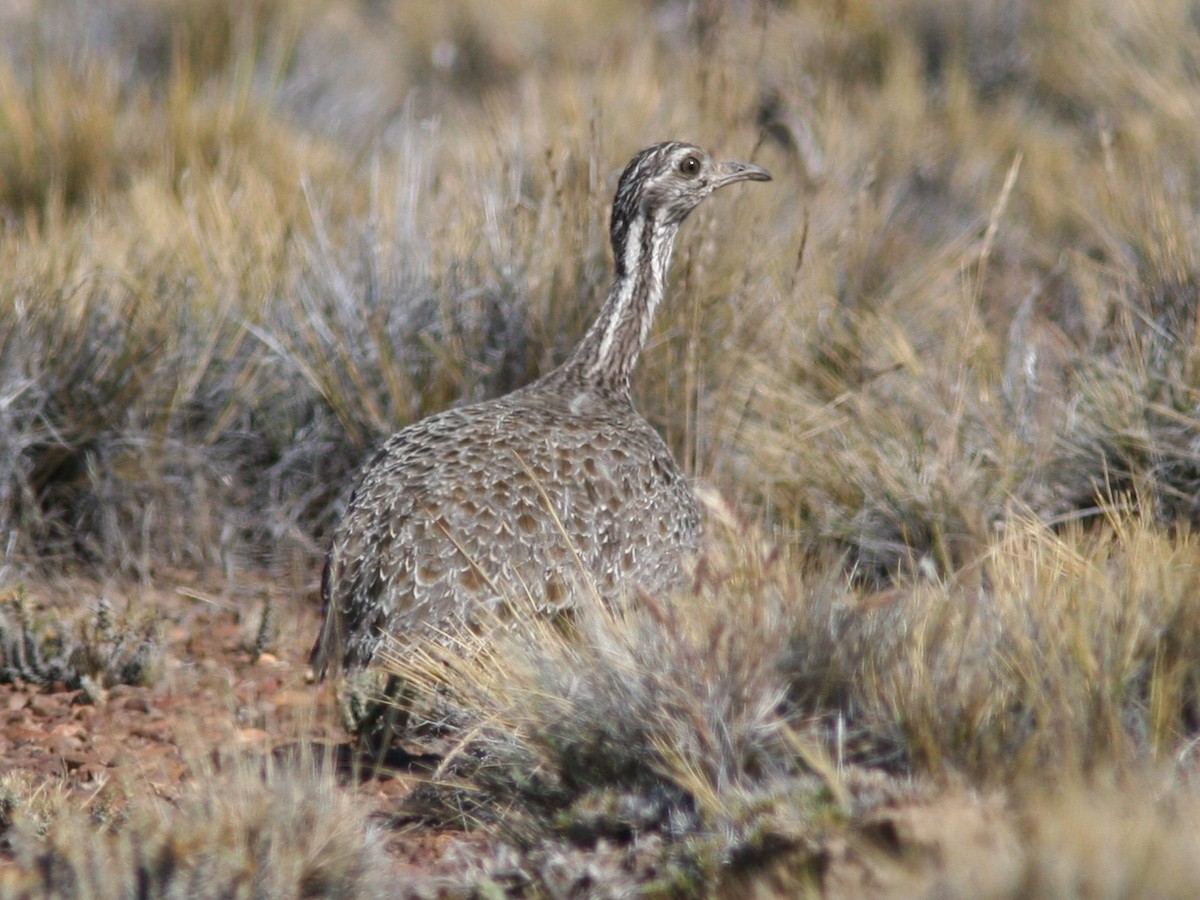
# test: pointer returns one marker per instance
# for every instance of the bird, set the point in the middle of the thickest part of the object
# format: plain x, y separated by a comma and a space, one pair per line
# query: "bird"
557, 485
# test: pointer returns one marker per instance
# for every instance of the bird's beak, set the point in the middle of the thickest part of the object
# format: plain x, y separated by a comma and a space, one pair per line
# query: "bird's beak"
729, 172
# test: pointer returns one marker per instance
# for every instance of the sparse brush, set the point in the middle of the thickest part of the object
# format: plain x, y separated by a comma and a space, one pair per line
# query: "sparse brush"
1132, 429
242, 831
888, 463
28, 805
240, 242
666, 717
1054, 653
89, 654
384, 328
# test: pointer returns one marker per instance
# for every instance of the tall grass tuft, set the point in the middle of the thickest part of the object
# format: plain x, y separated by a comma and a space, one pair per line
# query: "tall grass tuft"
241, 831
664, 721
1052, 653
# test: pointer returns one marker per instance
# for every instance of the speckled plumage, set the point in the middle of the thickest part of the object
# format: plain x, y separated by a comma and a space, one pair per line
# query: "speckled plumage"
547, 490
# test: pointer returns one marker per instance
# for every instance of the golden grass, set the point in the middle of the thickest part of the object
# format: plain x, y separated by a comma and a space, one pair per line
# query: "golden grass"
947, 370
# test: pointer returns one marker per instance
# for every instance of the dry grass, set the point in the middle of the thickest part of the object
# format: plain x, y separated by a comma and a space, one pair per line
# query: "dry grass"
93, 653
239, 831
1053, 653
947, 370
748, 720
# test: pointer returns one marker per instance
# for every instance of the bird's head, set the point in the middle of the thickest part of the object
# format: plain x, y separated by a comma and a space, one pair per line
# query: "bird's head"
665, 182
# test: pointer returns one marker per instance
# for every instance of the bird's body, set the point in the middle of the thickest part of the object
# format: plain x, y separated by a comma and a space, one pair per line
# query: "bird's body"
558, 486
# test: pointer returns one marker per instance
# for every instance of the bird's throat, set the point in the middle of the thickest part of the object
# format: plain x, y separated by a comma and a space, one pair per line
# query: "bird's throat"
608, 352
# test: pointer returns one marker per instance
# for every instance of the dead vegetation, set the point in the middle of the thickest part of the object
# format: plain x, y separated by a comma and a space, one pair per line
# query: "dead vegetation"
951, 389
237, 831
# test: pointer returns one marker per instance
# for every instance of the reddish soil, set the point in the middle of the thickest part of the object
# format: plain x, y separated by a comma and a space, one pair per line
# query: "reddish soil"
210, 694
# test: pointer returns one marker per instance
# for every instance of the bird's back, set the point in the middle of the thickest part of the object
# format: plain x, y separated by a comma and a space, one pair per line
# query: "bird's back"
530, 496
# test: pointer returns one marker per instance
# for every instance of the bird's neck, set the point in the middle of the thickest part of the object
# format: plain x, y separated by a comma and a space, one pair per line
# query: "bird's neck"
605, 357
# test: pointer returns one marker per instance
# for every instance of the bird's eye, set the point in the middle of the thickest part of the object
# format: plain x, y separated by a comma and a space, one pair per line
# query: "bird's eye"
689, 166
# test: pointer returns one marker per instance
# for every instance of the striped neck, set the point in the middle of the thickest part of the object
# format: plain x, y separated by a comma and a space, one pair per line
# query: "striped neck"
605, 357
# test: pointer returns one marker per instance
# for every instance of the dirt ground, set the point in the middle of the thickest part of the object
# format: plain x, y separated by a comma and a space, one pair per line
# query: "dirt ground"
209, 692
212, 693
